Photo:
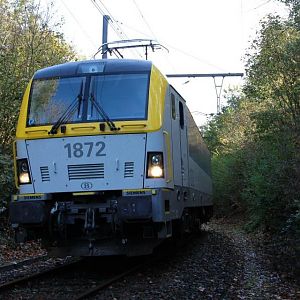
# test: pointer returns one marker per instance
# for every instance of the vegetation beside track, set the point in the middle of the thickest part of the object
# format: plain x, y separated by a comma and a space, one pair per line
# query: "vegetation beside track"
31, 39
255, 141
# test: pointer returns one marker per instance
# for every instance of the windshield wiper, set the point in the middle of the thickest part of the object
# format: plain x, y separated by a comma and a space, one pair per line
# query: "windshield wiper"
76, 104
107, 120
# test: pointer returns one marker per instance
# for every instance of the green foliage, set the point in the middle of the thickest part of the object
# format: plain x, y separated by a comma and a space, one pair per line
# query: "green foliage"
30, 40
227, 135
6, 179
273, 70
226, 171
255, 141
294, 6
271, 189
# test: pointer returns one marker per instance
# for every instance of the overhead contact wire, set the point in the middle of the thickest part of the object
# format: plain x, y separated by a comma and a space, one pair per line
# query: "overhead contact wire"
78, 23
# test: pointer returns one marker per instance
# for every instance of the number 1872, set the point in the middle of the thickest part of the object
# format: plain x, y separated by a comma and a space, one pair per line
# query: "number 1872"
86, 149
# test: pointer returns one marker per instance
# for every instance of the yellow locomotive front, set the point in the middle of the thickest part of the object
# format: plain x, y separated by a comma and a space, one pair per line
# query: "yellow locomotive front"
85, 171
108, 160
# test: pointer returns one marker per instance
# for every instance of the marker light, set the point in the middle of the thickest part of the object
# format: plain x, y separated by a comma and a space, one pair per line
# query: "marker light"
23, 171
156, 159
23, 166
91, 67
155, 165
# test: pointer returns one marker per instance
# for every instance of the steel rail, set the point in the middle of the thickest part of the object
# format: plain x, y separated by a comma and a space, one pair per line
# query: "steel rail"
21, 263
22, 280
195, 75
109, 281
116, 278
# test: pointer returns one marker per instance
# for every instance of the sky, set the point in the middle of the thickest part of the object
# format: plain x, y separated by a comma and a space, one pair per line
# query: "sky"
202, 36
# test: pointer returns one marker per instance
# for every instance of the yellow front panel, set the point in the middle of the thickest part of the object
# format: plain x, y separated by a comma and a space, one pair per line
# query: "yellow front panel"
157, 92
20, 133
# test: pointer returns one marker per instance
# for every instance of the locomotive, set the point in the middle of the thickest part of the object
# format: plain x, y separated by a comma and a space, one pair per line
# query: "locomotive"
108, 160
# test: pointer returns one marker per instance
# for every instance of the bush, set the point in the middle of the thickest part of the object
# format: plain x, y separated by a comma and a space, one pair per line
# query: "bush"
227, 183
7, 187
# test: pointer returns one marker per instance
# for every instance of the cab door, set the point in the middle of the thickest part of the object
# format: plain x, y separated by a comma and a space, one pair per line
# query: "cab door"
183, 142
179, 140
175, 139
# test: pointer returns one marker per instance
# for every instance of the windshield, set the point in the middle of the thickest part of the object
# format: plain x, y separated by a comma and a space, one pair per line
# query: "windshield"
121, 96
50, 98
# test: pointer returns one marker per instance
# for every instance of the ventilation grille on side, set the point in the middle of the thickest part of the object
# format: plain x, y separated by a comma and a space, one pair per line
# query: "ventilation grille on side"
87, 171
128, 169
45, 174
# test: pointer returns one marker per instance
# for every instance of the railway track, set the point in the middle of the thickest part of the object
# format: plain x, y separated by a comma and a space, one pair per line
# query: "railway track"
102, 285
22, 263
74, 280
162, 254
23, 280
78, 279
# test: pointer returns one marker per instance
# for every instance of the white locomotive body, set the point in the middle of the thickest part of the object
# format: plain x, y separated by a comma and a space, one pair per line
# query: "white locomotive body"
108, 160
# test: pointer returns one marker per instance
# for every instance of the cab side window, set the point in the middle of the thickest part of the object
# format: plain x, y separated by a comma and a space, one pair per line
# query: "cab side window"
181, 115
173, 106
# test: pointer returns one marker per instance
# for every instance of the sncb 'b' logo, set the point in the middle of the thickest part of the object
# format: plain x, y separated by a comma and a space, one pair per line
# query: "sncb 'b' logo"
86, 185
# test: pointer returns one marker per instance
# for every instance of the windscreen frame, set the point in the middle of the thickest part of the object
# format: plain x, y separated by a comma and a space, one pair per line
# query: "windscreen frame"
88, 79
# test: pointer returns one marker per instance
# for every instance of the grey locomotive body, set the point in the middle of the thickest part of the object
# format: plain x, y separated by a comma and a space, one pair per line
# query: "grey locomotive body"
116, 169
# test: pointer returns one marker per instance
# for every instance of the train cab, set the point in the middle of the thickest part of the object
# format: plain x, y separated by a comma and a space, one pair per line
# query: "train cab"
108, 160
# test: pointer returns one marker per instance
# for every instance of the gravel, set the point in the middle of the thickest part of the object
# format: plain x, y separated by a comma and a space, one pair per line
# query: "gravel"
24, 269
11, 253
221, 263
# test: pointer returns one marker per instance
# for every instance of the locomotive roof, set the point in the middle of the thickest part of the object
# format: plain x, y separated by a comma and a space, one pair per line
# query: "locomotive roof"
94, 66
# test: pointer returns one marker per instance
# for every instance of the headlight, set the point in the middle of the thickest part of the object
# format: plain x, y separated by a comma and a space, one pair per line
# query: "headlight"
23, 171
155, 171
155, 165
24, 178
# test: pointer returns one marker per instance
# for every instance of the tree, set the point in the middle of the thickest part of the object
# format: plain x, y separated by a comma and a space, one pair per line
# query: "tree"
30, 40
227, 135
273, 72
256, 139
273, 164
